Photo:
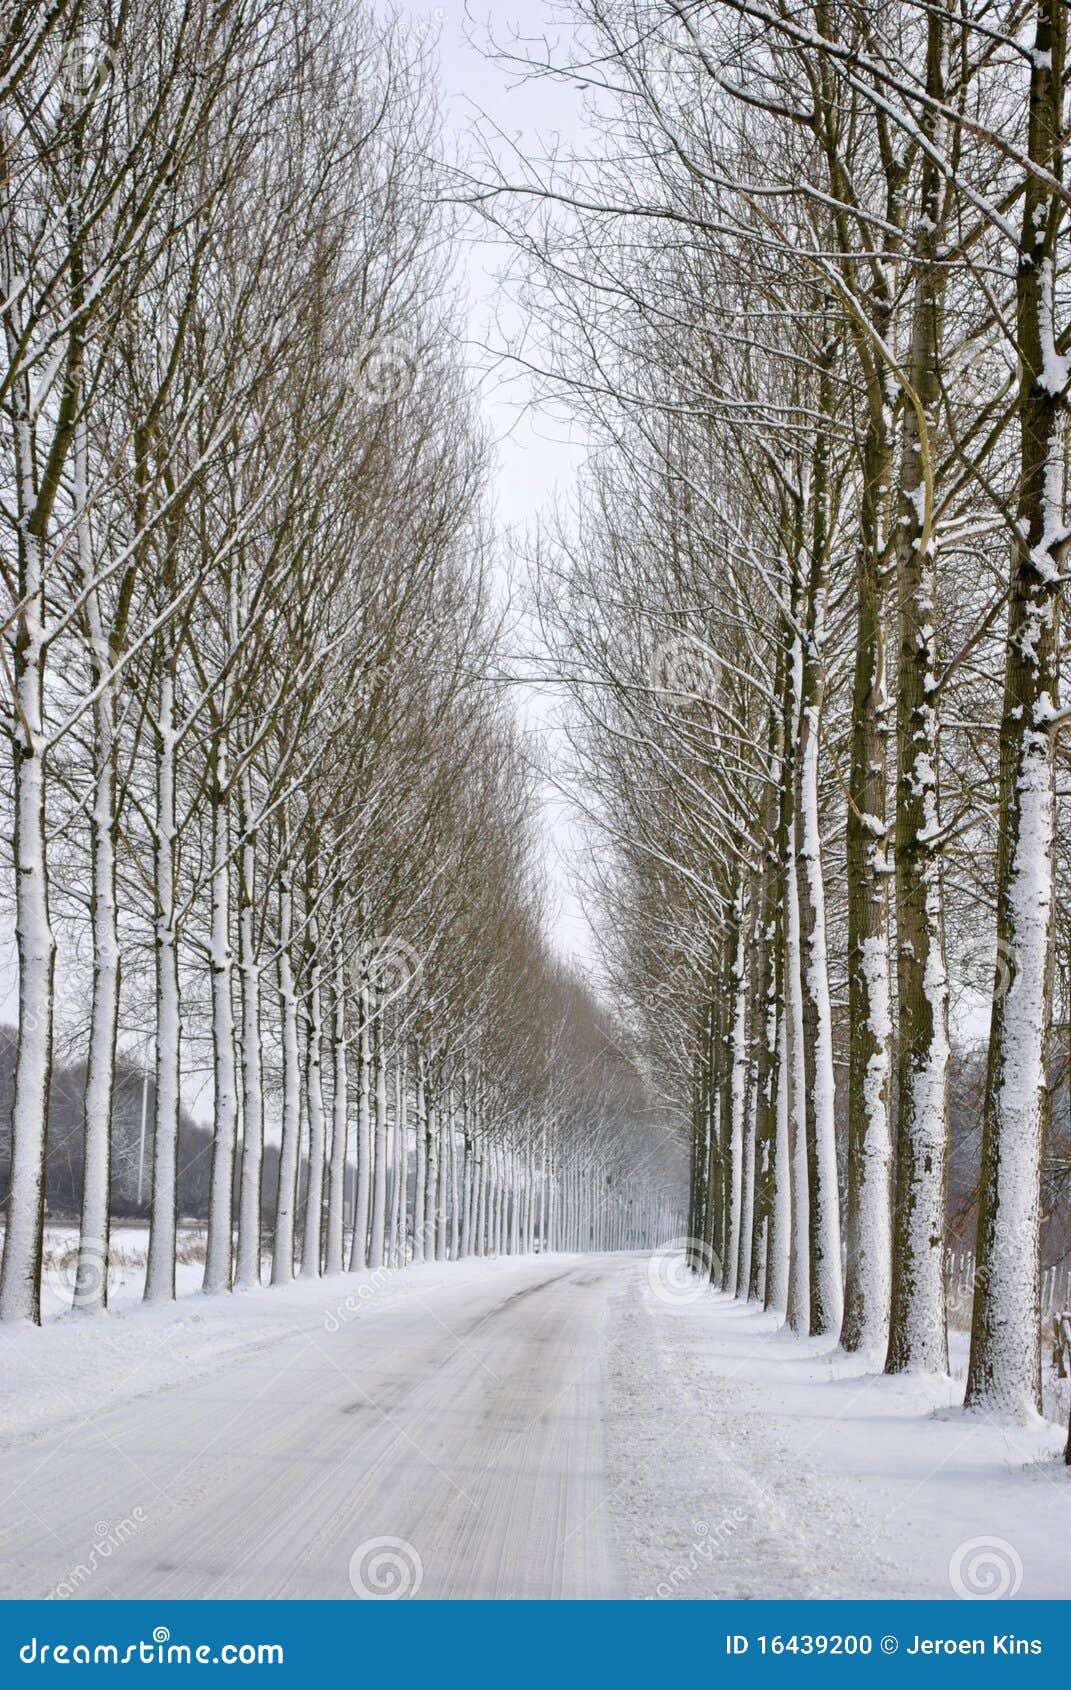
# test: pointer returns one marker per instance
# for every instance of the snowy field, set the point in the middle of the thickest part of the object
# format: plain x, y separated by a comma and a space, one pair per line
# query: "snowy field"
563, 1426
127, 1254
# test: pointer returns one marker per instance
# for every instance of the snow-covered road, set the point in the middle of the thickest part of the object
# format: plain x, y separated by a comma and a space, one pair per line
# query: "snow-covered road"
473, 1437
543, 1427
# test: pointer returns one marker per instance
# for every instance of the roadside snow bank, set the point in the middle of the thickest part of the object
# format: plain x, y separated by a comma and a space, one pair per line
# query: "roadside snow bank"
746, 1462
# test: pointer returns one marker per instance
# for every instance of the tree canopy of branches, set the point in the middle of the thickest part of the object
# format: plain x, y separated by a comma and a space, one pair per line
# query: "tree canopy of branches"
271, 822
810, 292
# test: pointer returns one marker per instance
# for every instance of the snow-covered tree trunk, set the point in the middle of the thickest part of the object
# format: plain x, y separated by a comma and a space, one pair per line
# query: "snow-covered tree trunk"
363, 1197
282, 1266
438, 1173
501, 1205
247, 1261
775, 1292
91, 1280
455, 1218
160, 1271
20, 1285
918, 1339
336, 1195
764, 1173
480, 1229
497, 1244
515, 1206
312, 1234
377, 1239
91, 1274
711, 1168
542, 1222
755, 1014
469, 1170
396, 1249
431, 1160
700, 1219
868, 1221
420, 1181
826, 1290
779, 1252
1005, 1363
218, 1255
799, 1272
737, 1089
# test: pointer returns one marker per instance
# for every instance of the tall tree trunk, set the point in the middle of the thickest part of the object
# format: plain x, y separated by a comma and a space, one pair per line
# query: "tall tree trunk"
312, 1236
218, 1256
481, 1203
20, 1284
798, 1292
420, 1180
454, 1183
779, 1254
799, 1270
826, 1292
363, 1198
433, 1194
160, 1272
737, 1087
247, 1264
401, 1164
715, 1172
468, 1183
868, 1284
918, 1337
766, 1016
91, 1279
282, 1265
336, 1194
1005, 1363
780, 1246
379, 1170
431, 1160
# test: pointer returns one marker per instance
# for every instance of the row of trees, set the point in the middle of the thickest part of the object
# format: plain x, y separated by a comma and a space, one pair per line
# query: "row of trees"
270, 823
811, 294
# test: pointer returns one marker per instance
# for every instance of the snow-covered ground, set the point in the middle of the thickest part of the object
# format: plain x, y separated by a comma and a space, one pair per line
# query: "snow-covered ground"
555, 1426
127, 1255
756, 1464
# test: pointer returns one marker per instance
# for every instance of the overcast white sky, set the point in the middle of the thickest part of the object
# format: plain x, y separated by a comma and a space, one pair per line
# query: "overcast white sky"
536, 463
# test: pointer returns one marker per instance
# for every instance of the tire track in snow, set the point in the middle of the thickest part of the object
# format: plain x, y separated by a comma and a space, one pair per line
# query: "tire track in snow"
469, 1425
